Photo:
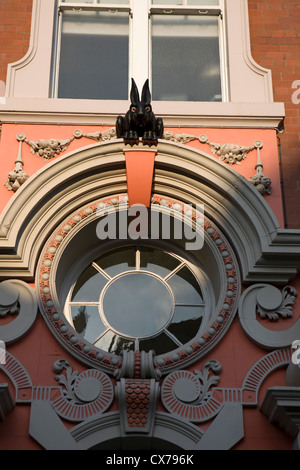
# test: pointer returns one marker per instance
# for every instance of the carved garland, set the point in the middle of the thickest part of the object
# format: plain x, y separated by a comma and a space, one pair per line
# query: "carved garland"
228, 153
112, 363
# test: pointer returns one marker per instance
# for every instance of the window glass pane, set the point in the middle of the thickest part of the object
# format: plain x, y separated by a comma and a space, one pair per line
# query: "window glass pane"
87, 321
185, 58
120, 2
77, 1
203, 2
185, 288
186, 322
114, 344
118, 261
137, 304
186, 2
94, 55
160, 344
89, 286
167, 2
157, 261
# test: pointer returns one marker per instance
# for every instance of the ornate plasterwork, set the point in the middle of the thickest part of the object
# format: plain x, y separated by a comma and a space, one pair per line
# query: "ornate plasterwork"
260, 182
19, 299
229, 199
267, 301
273, 304
187, 397
227, 153
17, 176
85, 351
82, 395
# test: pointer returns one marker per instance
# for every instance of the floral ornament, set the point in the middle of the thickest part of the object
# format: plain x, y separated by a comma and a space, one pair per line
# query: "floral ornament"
82, 395
228, 153
190, 395
49, 148
99, 136
261, 182
16, 178
282, 303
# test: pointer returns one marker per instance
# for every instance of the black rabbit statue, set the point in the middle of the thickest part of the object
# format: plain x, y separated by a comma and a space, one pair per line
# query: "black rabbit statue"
140, 121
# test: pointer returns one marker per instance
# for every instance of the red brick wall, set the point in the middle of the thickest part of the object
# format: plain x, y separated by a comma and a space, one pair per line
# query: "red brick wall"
15, 19
275, 41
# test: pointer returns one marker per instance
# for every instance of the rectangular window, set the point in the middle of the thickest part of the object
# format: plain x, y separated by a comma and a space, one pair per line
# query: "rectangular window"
93, 55
177, 44
185, 58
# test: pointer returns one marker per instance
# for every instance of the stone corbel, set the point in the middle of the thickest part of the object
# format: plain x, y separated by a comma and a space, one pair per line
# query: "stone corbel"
17, 176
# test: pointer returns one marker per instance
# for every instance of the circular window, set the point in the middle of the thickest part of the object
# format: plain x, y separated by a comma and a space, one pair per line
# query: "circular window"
103, 297
137, 298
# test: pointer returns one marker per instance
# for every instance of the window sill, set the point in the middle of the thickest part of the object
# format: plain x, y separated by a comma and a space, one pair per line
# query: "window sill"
174, 114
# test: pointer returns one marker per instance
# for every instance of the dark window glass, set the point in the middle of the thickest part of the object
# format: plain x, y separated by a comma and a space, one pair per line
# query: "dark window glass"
89, 286
185, 58
94, 55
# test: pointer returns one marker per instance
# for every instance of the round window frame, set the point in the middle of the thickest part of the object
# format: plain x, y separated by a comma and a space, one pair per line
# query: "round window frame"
197, 272
48, 297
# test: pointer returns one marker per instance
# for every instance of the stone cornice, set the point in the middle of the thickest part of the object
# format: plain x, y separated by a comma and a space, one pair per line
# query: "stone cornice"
183, 114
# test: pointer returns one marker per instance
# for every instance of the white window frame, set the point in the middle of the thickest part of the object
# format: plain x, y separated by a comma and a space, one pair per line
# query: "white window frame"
250, 89
140, 12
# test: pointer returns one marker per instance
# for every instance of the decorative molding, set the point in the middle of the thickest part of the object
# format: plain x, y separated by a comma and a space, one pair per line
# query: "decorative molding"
17, 176
260, 182
137, 401
269, 302
6, 401
82, 395
282, 406
267, 253
104, 136
224, 115
51, 309
188, 394
18, 298
272, 304
9, 300
260, 370
19, 377
48, 148
227, 153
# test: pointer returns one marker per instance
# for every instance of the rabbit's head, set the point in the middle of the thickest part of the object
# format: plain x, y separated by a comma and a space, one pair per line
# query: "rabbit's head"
140, 109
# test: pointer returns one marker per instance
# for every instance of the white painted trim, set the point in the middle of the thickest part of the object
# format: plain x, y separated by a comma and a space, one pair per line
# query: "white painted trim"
174, 114
30, 77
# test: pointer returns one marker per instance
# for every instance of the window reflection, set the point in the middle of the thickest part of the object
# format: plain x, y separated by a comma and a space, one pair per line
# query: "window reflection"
185, 58
89, 286
137, 298
90, 35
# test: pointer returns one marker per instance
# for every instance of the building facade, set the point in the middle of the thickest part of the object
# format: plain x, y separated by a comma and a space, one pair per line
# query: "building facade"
149, 228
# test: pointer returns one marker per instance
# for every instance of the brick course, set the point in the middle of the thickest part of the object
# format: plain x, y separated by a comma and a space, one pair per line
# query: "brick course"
275, 44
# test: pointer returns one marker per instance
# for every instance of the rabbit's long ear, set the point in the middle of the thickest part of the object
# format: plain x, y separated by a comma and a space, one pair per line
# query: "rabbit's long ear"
134, 93
146, 95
